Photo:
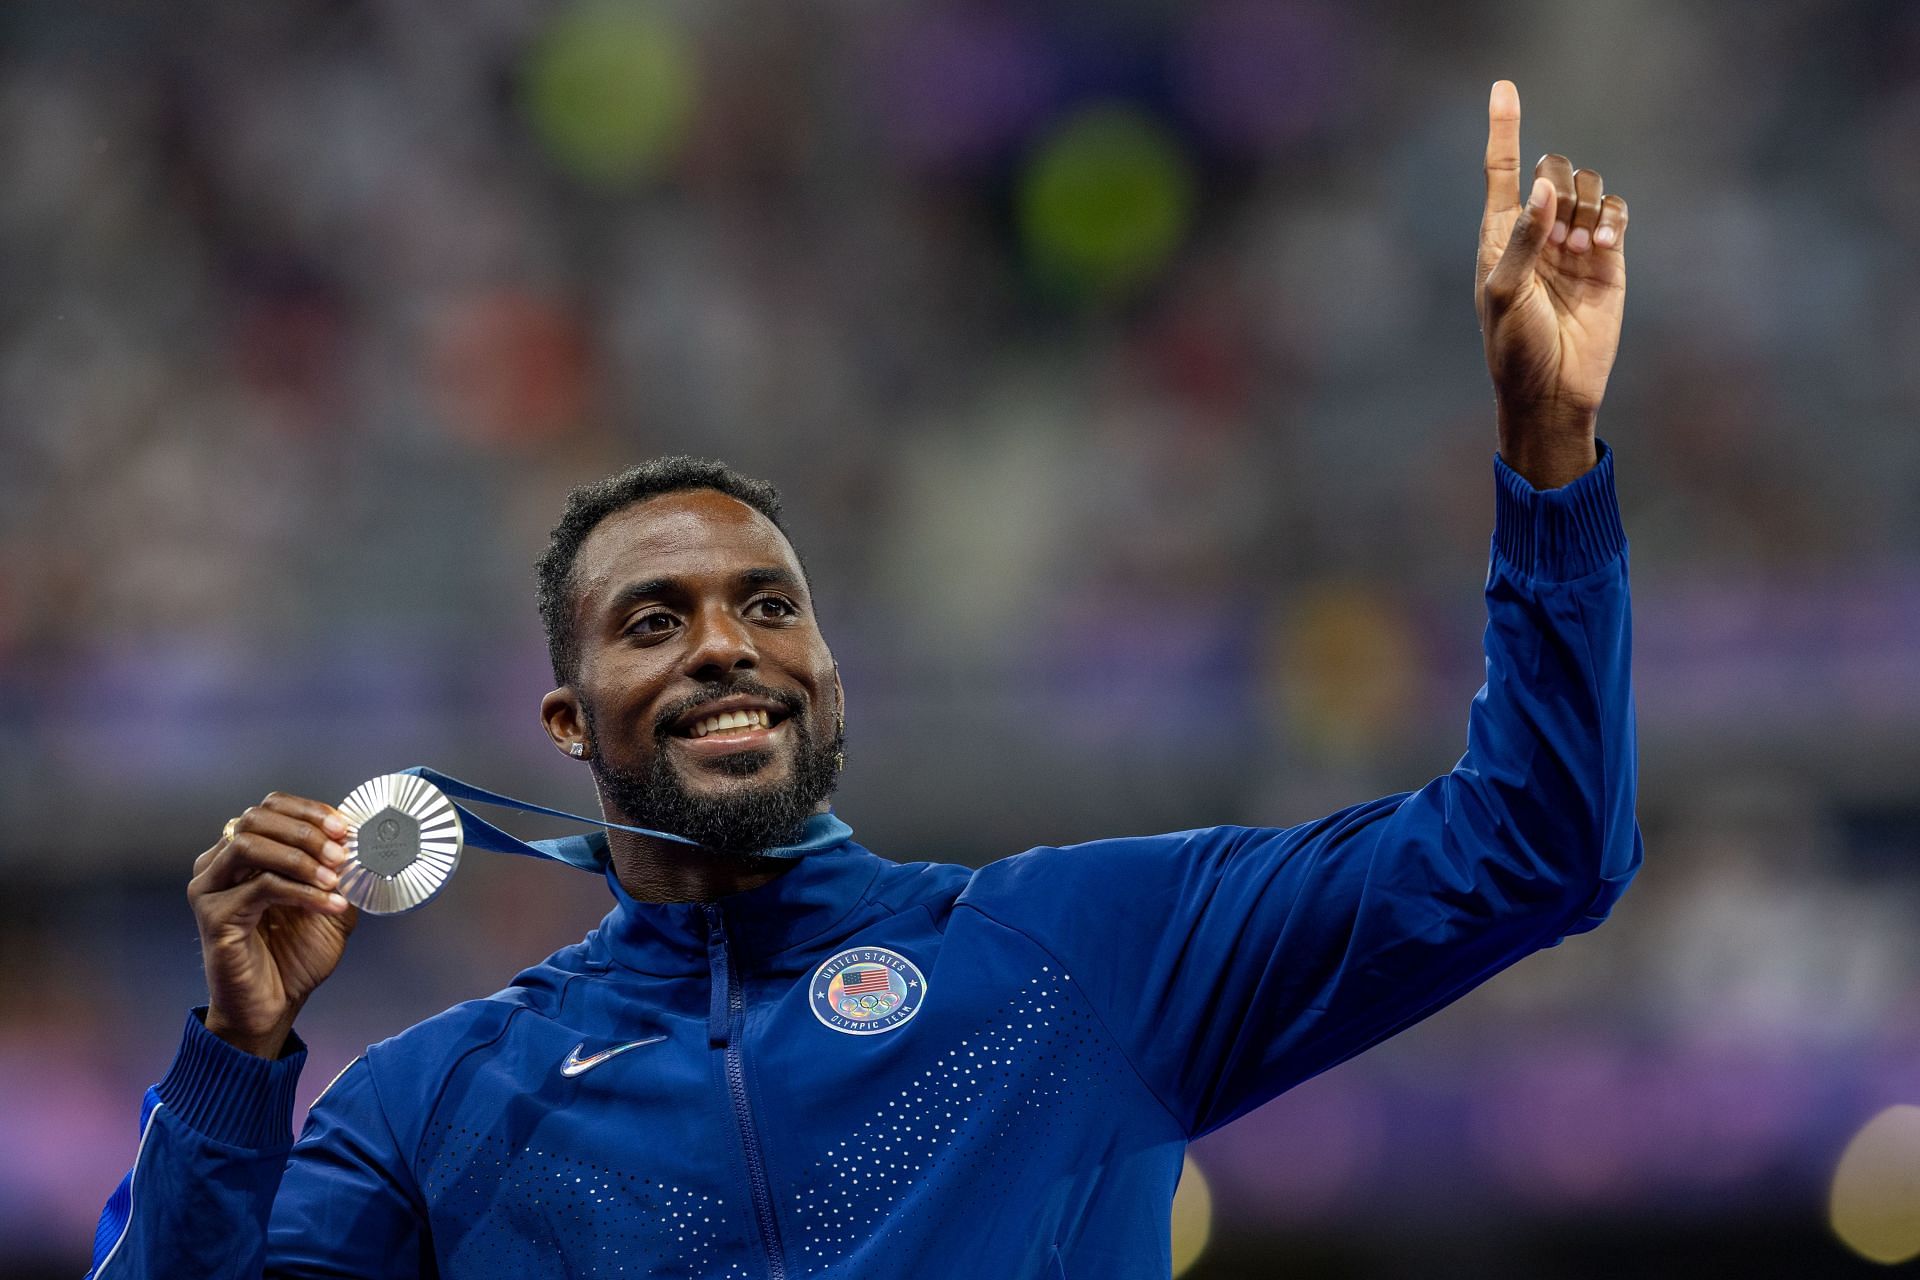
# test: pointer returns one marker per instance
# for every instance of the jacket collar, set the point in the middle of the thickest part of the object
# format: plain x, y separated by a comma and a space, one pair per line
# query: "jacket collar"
831, 875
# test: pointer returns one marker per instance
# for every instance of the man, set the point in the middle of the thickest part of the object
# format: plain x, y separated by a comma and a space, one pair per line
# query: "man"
782, 1056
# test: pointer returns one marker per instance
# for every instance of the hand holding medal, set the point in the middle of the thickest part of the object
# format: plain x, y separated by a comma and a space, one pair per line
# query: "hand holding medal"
277, 896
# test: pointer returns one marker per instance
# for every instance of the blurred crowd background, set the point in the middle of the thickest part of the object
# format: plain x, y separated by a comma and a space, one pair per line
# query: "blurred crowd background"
1119, 366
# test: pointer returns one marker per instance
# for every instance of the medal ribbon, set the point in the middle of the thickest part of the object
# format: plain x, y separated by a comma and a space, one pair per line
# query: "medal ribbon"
822, 830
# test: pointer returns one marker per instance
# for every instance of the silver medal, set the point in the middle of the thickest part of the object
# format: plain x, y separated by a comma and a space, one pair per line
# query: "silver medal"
404, 843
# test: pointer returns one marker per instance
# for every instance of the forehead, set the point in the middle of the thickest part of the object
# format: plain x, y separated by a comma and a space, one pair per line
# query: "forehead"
694, 535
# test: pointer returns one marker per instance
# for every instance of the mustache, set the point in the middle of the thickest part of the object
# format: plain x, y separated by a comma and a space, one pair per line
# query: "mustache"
714, 691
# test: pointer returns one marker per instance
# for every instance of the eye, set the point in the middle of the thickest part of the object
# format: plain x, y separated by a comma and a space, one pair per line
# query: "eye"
651, 624
773, 607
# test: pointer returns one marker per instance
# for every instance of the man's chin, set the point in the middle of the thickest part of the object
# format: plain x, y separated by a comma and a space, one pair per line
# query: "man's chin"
729, 797
736, 804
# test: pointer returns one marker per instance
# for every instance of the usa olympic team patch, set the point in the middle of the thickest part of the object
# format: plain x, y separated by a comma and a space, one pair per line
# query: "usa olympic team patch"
864, 991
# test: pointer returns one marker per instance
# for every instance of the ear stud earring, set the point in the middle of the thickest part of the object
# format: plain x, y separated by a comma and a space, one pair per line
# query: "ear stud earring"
578, 750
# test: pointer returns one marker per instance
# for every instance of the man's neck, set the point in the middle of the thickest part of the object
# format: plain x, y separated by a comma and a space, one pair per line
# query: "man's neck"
667, 871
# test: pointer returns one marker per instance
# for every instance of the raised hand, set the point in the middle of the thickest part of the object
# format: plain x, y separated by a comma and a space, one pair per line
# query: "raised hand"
271, 927
1550, 288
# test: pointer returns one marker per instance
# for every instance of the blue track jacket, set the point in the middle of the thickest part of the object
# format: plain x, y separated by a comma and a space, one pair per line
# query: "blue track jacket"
869, 1070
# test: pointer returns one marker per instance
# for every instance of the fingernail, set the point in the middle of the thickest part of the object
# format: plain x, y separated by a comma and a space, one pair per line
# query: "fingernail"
333, 852
1580, 240
335, 826
1603, 236
335, 900
1541, 189
326, 877
1558, 233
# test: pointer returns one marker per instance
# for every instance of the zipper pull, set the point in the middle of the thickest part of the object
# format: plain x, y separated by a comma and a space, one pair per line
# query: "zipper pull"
719, 1023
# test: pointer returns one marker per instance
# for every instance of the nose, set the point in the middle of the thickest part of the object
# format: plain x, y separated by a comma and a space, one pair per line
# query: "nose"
720, 646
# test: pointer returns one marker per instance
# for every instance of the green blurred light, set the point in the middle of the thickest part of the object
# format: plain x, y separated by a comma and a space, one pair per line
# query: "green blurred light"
609, 90
1105, 201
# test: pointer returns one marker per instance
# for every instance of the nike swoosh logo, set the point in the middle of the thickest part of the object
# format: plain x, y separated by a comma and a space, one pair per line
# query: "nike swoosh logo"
575, 1064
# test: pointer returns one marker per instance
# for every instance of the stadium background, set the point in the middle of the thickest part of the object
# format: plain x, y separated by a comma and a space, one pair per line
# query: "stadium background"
1119, 365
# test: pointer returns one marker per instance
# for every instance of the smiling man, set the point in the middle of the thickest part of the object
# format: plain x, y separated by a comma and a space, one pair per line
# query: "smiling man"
693, 675
782, 1055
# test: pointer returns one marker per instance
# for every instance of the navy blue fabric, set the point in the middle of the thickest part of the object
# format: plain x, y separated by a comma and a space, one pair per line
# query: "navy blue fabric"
1086, 1011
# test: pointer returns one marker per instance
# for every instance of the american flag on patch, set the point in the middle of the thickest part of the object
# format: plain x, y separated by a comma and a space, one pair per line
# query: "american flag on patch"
866, 980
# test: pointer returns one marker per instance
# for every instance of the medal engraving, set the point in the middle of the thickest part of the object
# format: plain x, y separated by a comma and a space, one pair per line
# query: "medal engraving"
389, 842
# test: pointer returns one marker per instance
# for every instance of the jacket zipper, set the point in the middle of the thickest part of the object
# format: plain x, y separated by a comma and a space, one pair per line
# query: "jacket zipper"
726, 1029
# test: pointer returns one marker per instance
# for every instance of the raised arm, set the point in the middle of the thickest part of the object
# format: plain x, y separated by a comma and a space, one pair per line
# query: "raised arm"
1230, 963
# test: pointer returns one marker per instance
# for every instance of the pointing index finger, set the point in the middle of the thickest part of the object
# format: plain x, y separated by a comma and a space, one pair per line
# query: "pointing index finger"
1503, 148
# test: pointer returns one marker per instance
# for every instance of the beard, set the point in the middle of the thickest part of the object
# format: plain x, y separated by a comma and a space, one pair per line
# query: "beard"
743, 819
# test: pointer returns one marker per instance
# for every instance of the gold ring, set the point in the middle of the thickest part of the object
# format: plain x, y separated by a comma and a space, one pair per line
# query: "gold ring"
226, 832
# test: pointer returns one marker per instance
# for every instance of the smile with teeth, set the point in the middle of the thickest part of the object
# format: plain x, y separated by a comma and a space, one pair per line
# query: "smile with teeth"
731, 720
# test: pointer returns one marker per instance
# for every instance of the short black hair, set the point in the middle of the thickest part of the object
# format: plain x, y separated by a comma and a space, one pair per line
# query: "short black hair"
589, 504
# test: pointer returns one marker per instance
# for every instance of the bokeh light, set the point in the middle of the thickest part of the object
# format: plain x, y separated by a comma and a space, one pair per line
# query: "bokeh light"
952, 88
610, 90
1875, 1205
1105, 201
1192, 1216
1259, 76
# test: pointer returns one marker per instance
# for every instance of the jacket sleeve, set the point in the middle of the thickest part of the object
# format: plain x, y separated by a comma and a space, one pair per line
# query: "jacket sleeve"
220, 1190
1232, 963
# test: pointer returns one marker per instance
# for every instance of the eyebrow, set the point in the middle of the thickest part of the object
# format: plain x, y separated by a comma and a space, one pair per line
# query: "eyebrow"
655, 588
770, 577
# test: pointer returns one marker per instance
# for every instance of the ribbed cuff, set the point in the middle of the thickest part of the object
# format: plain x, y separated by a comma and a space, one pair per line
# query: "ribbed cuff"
1557, 535
229, 1095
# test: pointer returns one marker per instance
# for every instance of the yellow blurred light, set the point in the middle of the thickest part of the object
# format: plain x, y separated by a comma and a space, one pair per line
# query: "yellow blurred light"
1875, 1205
610, 90
1192, 1217
1105, 201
